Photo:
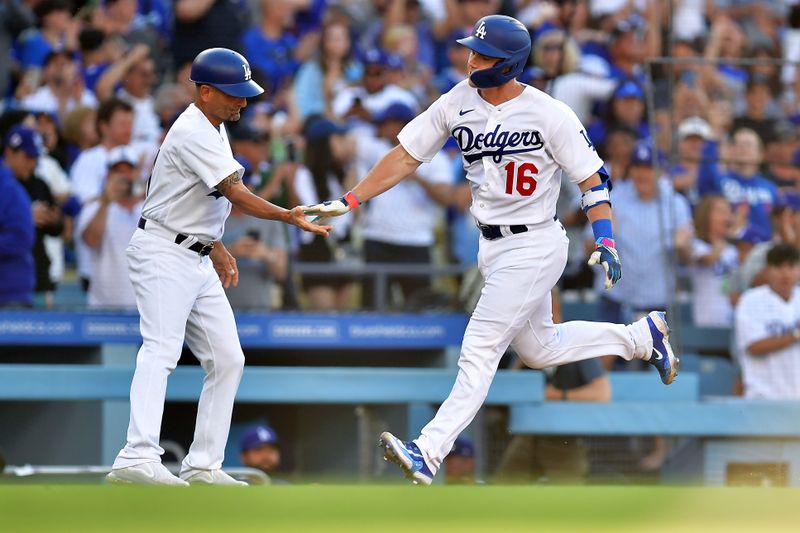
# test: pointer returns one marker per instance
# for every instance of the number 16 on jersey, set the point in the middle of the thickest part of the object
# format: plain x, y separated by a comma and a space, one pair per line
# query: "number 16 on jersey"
521, 178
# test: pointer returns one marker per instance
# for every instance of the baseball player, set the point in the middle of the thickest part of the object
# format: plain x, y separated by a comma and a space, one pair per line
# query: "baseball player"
516, 144
178, 268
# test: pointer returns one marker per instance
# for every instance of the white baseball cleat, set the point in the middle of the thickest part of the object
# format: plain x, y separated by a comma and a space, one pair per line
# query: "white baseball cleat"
210, 477
152, 473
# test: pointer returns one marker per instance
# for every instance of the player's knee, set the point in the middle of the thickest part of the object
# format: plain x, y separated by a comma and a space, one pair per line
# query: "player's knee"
232, 363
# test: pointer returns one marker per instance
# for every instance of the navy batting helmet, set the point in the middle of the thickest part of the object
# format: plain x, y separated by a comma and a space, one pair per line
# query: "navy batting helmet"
226, 70
505, 38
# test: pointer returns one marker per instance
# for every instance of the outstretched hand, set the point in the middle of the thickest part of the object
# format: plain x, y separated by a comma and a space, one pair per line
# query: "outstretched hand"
297, 216
605, 254
331, 208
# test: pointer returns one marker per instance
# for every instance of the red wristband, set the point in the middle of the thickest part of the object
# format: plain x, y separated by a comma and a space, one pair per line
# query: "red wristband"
351, 200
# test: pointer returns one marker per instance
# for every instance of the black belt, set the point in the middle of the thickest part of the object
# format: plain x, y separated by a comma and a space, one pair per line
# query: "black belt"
491, 232
197, 247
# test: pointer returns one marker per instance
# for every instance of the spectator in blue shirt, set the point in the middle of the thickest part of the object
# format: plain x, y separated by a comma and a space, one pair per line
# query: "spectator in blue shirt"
272, 50
320, 78
627, 107
56, 31
652, 228
16, 242
741, 184
456, 69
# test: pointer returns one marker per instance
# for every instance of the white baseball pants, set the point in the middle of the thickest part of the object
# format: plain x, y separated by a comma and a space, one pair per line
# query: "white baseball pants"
179, 295
515, 308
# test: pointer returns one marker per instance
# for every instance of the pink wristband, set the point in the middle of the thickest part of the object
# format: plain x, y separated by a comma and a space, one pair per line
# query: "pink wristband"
351, 200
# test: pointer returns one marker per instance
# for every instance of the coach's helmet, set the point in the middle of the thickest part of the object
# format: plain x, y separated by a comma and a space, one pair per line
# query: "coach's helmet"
505, 38
226, 70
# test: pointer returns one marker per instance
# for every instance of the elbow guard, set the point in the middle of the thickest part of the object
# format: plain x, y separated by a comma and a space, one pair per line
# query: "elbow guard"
598, 194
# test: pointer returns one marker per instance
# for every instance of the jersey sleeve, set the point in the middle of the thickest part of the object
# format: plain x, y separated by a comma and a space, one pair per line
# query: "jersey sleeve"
424, 136
209, 158
570, 146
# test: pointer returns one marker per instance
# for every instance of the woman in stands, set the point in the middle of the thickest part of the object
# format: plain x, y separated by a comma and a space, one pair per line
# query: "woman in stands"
712, 261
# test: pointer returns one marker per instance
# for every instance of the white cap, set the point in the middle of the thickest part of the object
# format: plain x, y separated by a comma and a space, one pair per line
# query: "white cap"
694, 126
122, 154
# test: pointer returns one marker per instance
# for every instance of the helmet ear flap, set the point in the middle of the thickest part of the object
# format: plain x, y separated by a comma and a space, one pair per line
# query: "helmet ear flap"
504, 37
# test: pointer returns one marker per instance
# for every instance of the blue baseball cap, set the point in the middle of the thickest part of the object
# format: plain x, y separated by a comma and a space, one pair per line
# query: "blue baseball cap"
26, 139
256, 437
642, 155
394, 62
375, 56
628, 89
752, 234
396, 111
789, 199
318, 127
462, 447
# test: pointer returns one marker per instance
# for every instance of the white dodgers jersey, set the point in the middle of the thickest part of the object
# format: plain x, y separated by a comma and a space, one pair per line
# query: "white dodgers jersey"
514, 153
194, 157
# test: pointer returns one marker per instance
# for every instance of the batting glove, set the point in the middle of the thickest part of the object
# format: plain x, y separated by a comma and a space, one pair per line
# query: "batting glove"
606, 254
333, 208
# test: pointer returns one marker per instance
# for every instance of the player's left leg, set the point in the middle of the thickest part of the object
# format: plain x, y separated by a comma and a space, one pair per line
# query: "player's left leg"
212, 337
542, 344
519, 272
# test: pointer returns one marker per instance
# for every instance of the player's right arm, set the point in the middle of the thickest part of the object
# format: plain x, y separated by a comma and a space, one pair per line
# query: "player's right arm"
386, 173
420, 140
232, 188
577, 157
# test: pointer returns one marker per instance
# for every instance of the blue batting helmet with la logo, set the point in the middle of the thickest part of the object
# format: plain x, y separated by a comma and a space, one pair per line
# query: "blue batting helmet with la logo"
226, 70
502, 37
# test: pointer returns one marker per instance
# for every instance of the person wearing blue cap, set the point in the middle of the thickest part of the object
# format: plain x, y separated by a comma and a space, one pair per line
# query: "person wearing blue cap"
362, 102
459, 465
753, 245
259, 448
398, 226
16, 241
649, 281
627, 107
22, 147
456, 68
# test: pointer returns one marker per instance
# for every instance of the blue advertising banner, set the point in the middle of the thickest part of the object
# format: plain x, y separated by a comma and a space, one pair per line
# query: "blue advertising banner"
256, 330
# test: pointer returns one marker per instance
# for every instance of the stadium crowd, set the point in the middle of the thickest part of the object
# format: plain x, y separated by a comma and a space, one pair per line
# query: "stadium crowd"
703, 149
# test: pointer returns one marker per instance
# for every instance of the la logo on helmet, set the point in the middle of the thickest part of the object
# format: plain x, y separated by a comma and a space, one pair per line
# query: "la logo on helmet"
481, 31
247, 74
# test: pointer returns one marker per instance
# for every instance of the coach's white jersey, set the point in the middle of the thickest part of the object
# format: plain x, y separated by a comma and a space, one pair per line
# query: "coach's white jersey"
514, 153
194, 157
761, 313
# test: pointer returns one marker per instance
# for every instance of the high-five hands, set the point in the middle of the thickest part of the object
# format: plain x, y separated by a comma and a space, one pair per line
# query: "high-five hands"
333, 208
297, 216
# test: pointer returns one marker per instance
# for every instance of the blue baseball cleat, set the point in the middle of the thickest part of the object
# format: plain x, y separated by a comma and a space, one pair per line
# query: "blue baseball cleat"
407, 456
662, 357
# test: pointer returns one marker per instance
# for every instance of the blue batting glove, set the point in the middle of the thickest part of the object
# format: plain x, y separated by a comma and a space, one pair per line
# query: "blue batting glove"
606, 254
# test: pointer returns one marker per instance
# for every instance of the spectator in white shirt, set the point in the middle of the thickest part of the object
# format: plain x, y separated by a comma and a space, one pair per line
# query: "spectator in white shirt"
106, 225
62, 87
398, 226
713, 260
88, 172
768, 329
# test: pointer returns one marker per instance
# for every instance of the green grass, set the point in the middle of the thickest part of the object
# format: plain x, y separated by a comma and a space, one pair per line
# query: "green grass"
396, 508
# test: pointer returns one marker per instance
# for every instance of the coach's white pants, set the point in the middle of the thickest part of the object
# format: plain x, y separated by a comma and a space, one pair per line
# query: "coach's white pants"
178, 292
515, 308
